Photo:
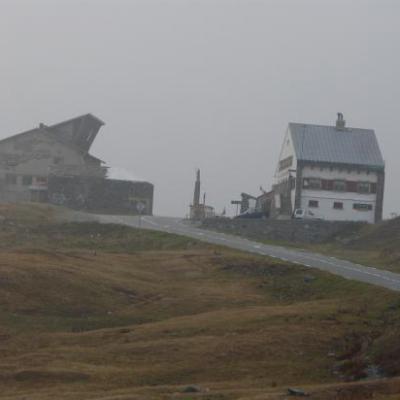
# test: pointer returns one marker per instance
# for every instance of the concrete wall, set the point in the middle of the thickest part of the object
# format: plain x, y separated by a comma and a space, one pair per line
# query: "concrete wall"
34, 155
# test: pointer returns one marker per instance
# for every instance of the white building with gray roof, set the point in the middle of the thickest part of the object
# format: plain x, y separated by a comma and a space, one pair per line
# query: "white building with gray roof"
334, 173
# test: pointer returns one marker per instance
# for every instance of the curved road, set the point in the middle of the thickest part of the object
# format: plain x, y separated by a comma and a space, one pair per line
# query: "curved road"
333, 265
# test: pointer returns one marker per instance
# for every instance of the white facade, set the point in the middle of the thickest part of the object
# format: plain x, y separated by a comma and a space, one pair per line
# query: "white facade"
334, 191
326, 199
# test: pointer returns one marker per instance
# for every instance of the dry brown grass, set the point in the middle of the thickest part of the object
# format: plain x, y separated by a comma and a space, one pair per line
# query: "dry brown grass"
121, 325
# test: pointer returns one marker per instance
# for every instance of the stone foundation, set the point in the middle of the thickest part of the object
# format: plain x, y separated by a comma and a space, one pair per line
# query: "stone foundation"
296, 231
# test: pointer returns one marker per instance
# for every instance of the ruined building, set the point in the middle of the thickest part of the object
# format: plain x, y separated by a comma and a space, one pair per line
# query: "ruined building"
53, 164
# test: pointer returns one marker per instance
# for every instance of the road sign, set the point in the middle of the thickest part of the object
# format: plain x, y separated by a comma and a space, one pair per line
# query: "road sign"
140, 207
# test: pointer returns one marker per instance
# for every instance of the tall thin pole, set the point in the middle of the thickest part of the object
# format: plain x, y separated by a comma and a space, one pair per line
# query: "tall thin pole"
196, 196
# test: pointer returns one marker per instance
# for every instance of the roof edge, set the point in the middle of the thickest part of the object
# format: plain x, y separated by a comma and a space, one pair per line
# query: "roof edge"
39, 128
348, 128
90, 115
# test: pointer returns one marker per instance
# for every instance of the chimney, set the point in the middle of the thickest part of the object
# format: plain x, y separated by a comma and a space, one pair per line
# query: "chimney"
340, 122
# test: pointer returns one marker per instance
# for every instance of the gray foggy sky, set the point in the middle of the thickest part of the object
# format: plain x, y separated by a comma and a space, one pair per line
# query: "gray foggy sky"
211, 84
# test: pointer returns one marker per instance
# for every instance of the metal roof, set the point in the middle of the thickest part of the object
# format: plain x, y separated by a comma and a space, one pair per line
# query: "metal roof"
321, 143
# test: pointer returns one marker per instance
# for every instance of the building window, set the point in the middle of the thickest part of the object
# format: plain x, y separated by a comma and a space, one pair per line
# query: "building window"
11, 179
313, 203
363, 187
338, 205
312, 183
27, 180
285, 163
339, 186
362, 207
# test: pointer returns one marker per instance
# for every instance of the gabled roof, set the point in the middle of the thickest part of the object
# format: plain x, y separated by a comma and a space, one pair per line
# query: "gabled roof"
320, 143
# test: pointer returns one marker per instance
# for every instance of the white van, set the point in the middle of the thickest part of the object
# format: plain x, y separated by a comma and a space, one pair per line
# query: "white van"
301, 213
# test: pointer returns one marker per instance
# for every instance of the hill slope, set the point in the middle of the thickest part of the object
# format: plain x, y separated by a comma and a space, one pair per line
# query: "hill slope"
108, 312
377, 245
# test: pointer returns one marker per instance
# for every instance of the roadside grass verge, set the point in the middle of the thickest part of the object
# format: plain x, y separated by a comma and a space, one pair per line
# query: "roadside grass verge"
371, 245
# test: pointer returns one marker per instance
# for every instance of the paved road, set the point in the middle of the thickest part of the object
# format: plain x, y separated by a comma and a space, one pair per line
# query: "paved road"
334, 265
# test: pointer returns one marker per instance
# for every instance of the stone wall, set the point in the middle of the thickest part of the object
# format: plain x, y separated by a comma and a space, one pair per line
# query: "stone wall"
296, 231
101, 195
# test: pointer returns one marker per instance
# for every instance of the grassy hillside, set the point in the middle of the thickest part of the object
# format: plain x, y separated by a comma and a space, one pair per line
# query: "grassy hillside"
377, 245
91, 311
